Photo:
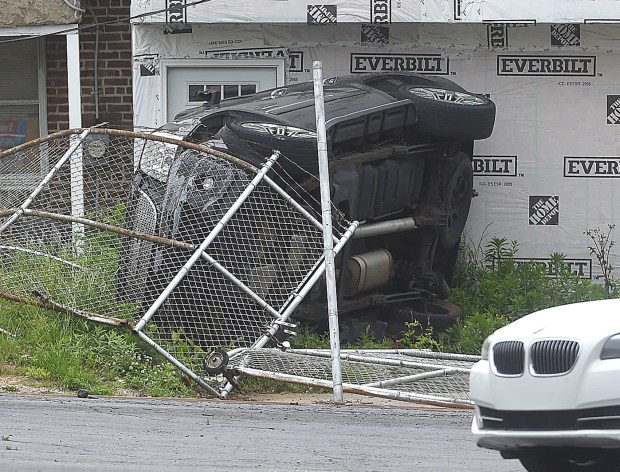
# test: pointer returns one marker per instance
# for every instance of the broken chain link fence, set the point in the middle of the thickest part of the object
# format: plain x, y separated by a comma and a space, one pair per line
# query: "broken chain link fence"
190, 248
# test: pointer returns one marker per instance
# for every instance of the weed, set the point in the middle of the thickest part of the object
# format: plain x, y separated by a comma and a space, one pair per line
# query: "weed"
308, 338
260, 385
37, 373
414, 337
601, 248
368, 340
467, 337
62, 350
491, 285
499, 250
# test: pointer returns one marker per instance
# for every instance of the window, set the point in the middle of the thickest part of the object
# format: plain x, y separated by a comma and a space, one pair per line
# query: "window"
198, 93
19, 92
20, 115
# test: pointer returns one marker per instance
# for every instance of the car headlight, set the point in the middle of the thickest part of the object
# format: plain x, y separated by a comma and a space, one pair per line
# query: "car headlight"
611, 348
484, 352
158, 156
208, 178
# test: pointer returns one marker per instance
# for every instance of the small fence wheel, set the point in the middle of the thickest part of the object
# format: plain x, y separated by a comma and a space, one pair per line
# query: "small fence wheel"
215, 362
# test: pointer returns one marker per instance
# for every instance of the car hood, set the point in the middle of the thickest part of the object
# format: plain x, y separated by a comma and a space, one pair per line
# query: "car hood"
584, 321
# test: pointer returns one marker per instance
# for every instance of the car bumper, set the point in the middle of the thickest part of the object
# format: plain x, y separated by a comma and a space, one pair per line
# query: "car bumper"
579, 409
504, 440
592, 383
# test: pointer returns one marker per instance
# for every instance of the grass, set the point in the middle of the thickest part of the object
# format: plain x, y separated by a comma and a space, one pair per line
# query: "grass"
69, 353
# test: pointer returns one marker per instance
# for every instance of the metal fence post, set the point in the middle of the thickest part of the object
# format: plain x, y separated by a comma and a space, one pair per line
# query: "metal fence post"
328, 238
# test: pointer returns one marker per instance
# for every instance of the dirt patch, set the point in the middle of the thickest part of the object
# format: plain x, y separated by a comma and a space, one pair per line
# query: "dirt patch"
26, 386
19, 385
350, 399
23, 385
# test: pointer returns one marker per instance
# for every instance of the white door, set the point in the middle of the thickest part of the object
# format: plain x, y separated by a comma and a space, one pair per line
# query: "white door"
189, 83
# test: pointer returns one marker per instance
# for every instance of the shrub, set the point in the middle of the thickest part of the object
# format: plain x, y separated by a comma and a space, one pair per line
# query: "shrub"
493, 288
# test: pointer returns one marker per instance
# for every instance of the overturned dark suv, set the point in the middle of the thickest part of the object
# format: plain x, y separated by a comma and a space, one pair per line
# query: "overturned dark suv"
400, 149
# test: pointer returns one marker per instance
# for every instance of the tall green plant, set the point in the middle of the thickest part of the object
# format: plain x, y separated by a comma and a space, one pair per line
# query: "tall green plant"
600, 247
499, 250
499, 289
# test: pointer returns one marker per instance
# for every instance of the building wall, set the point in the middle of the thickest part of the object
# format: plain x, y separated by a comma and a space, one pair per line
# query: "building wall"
56, 84
111, 100
37, 13
550, 171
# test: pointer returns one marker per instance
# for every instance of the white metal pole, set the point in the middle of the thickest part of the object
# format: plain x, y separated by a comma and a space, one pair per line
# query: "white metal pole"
328, 238
75, 121
73, 78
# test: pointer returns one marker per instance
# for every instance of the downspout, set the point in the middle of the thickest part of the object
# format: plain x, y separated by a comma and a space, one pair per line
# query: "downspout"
96, 58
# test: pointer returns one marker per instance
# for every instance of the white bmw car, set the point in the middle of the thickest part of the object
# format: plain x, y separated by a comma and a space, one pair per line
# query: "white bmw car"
547, 389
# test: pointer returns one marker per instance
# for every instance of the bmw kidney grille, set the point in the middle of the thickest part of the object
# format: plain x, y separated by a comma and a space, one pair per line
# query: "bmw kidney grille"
547, 357
509, 357
552, 357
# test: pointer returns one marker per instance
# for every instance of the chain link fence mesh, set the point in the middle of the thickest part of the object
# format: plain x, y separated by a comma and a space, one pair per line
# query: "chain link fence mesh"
405, 374
83, 231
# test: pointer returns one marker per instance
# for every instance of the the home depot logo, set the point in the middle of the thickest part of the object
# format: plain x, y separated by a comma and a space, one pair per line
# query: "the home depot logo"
380, 11
547, 65
497, 35
504, 166
322, 14
175, 11
613, 109
566, 35
421, 63
578, 166
149, 65
544, 210
375, 34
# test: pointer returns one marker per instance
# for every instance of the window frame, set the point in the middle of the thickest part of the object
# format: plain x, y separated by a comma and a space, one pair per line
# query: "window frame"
41, 87
19, 181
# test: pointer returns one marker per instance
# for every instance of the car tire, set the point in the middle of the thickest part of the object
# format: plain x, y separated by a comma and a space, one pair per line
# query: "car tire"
572, 460
297, 152
439, 314
449, 113
457, 195
445, 263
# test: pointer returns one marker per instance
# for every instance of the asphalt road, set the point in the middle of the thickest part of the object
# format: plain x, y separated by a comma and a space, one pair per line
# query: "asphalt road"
50, 434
